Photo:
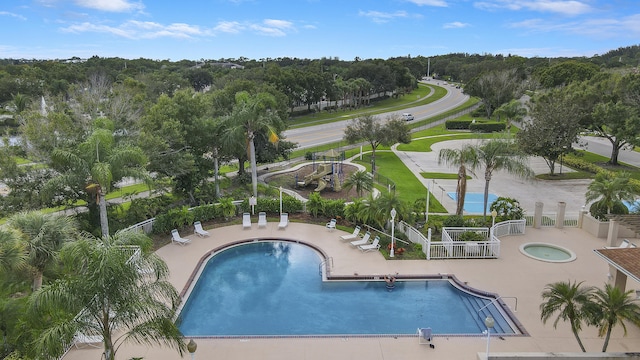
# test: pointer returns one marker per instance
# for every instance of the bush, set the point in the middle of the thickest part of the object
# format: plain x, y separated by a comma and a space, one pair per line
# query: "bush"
454, 221
507, 209
599, 210
172, 219
457, 124
472, 236
333, 208
487, 127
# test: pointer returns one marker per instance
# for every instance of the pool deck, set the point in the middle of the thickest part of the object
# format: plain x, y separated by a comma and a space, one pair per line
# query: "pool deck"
512, 275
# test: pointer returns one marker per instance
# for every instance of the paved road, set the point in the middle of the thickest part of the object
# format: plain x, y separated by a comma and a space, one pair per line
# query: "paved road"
327, 133
602, 146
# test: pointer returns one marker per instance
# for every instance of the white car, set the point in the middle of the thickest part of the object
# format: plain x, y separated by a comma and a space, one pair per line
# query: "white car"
407, 116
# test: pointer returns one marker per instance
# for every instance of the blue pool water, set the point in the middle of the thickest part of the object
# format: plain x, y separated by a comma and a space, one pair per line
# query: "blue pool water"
632, 206
273, 288
473, 202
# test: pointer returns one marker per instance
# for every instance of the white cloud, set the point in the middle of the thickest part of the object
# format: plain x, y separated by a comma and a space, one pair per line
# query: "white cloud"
232, 27
455, 25
280, 24
383, 17
17, 16
601, 28
571, 7
273, 27
440, 3
110, 5
141, 30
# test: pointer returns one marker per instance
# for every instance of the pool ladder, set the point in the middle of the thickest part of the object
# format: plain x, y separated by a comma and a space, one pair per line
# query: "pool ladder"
327, 264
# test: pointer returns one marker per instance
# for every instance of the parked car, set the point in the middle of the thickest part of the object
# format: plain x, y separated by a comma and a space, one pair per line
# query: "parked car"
407, 116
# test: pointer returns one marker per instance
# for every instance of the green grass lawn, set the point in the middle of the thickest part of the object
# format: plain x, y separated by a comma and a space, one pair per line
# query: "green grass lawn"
602, 161
408, 187
438, 175
566, 176
416, 97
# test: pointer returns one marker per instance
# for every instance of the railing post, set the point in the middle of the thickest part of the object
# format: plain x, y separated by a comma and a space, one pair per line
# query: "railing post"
428, 252
560, 215
537, 215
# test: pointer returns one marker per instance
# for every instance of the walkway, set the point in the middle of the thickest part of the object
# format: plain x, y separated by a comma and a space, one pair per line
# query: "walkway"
511, 275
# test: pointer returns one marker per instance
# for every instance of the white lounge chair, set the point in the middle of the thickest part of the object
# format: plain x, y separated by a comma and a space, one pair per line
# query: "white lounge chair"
284, 221
262, 219
375, 245
246, 221
363, 241
623, 245
176, 238
94, 341
424, 337
352, 236
331, 225
198, 230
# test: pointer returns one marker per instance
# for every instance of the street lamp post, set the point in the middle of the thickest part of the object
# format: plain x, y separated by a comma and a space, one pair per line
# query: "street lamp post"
280, 199
494, 213
489, 323
393, 225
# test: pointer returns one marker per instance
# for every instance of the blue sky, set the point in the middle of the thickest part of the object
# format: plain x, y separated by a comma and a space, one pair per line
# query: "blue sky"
213, 29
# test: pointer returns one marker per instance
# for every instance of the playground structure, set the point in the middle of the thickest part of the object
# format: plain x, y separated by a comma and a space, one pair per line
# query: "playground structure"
325, 174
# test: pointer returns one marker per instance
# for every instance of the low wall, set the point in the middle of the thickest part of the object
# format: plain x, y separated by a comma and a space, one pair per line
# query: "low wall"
600, 229
558, 355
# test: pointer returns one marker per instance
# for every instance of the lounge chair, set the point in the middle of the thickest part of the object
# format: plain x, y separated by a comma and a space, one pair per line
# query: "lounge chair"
176, 238
198, 230
284, 221
331, 225
424, 337
246, 221
94, 341
623, 245
352, 236
375, 245
363, 241
262, 219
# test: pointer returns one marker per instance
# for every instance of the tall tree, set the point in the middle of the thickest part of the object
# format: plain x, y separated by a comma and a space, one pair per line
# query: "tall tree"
497, 154
460, 157
252, 114
495, 88
370, 129
94, 167
567, 300
608, 189
42, 235
552, 129
108, 294
611, 307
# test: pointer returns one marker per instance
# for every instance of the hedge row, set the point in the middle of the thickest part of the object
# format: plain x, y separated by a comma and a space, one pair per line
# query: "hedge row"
476, 126
183, 216
583, 165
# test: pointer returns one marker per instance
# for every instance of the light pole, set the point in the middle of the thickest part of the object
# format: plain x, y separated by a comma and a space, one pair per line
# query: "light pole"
494, 213
191, 347
280, 199
488, 322
393, 225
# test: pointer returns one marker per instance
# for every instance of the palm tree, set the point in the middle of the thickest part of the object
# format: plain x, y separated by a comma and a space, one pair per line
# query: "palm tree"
353, 211
461, 157
611, 307
95, 167
497, 154
512, 111
42, 235
608, 190
568, 300
382, 205
110, 295
361, 180
12, 251
251, 114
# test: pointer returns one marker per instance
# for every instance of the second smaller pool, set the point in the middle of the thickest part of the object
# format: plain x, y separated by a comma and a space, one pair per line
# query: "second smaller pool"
547, 252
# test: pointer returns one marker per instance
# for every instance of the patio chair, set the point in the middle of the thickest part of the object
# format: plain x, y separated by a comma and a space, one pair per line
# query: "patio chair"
176, 238
331, 225
262, 219
352, 236
424, 337
623, 245
375, 245
284, 221
198, 230
363, 241
246, 221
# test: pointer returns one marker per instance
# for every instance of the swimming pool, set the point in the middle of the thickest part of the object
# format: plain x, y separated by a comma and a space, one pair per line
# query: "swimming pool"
473, 202
274, 288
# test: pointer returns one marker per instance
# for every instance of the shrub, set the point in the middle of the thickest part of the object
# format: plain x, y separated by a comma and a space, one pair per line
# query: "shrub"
333, 208
172, 219
599, 210
487, 127
206, 212
457, 124
472, 236
507, 209
454, 221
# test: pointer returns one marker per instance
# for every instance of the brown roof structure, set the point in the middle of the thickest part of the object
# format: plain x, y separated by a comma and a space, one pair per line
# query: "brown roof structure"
626, 260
